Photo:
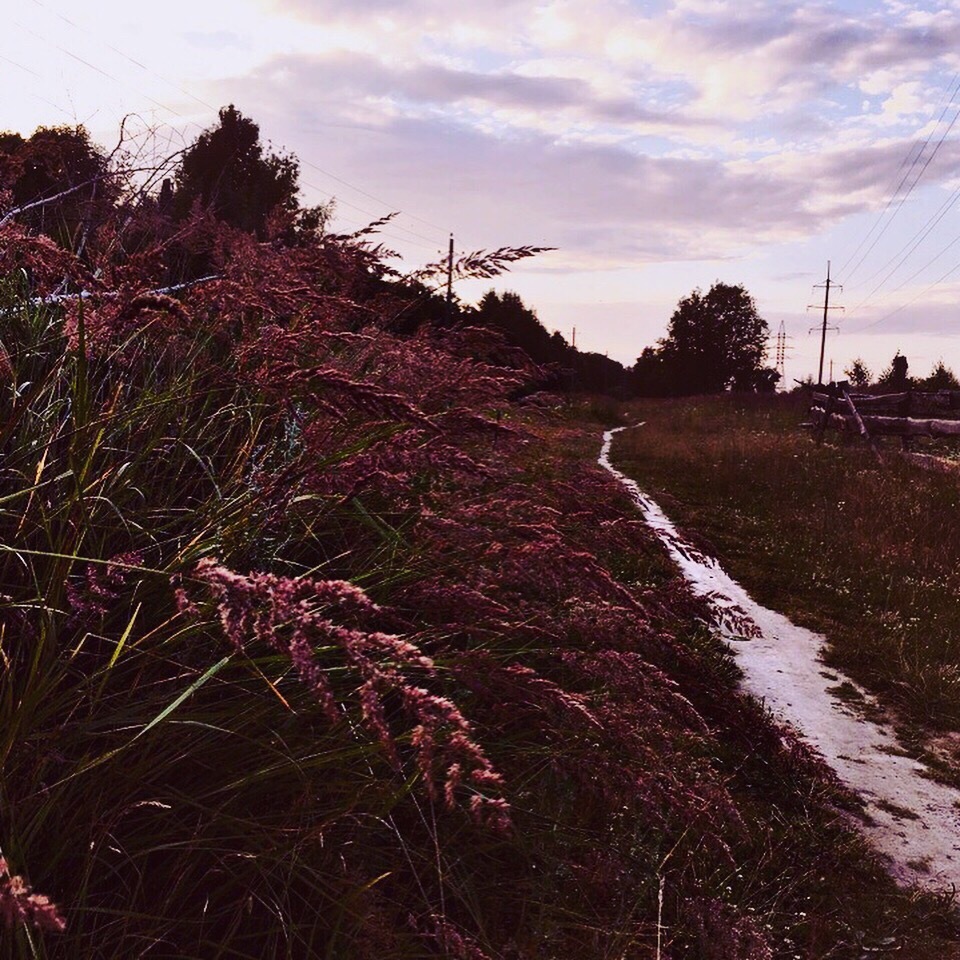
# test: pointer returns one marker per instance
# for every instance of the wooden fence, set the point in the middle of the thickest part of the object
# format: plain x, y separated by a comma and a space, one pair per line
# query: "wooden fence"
908, 415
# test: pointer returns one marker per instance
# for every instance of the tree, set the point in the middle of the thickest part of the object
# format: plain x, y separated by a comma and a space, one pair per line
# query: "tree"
651, 375
858, 373
62, 179
519, 324
895, 377
714, 340
941, 378
226, 172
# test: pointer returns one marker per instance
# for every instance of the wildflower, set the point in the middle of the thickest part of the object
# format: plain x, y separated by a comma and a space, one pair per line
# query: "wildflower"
101, 585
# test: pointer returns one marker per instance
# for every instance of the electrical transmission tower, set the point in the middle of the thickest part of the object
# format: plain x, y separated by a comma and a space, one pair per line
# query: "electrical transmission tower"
781, 349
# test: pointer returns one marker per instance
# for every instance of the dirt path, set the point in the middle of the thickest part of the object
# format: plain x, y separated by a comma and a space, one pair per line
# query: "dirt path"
915, 821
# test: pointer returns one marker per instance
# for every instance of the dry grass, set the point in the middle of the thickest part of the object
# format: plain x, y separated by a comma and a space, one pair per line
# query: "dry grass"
868, 555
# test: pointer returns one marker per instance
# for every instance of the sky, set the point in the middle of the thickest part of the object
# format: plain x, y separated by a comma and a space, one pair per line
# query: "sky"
659, 145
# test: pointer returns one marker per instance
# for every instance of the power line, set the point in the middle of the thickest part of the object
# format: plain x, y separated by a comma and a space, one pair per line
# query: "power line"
955, 87
36, 96
918, 177
376, 216
903, 306
914, 275
929, 263
126, 56
369, 196
893, 197
443, 230
91, 66
914, 242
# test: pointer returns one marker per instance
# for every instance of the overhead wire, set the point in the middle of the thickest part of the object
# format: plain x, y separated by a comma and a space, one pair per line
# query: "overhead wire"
903, 306
903, 260
125, 55
914, 242
210, 106
903, 198
890, 201
36, 96
89, 65
907, 158
913, 276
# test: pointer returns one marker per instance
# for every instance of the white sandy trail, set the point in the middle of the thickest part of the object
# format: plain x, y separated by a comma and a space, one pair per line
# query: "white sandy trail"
782, 667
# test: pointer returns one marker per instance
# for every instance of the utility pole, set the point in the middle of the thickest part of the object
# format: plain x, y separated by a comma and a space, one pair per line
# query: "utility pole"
450, 282
574, 342
826, 313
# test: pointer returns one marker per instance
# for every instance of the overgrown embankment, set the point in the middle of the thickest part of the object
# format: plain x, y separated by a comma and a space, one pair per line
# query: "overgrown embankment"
314, 644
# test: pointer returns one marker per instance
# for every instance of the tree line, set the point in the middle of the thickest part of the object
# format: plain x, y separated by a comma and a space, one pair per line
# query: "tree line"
896, 377
60, 184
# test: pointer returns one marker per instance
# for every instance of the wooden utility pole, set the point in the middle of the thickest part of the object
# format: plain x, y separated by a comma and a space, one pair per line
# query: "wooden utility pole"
826, 313
450, 282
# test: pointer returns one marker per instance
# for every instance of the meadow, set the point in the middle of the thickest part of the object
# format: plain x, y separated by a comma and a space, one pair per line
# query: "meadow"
866, 554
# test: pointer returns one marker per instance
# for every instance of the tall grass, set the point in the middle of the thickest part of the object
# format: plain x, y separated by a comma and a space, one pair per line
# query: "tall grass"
307, 652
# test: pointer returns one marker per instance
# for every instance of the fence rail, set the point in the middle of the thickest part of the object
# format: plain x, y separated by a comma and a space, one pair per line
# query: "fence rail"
908, 415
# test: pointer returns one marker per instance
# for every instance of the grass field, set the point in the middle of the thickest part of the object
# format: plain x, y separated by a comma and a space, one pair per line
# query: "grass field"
870, 556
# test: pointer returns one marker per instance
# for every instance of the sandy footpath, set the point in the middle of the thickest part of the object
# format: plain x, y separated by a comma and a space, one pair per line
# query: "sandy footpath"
915, 821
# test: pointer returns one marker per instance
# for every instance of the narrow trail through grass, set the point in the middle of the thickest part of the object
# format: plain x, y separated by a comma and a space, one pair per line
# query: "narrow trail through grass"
867, 556
912, 820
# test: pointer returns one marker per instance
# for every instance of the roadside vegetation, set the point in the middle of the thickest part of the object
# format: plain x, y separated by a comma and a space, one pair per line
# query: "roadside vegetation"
868, 555
322, 635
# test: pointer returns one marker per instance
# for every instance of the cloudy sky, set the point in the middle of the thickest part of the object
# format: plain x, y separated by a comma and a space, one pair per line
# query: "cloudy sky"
661, 145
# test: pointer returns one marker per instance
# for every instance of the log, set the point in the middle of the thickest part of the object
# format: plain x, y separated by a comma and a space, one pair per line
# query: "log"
919, 401
909, 427
890, 426
867, 400
861, 426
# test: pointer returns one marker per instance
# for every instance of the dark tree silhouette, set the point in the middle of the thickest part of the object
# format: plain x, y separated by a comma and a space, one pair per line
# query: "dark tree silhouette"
715, 340
61, 177
858, 373
941, 378
570, 369
519, 324
895, 377
226, 172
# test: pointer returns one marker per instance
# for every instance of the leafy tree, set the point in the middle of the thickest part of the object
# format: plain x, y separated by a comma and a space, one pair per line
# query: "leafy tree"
651, 375
761, 380
61, 177
226, 171
895, 376
567, 367
519, 324
714, 340
941, 378
858, 373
